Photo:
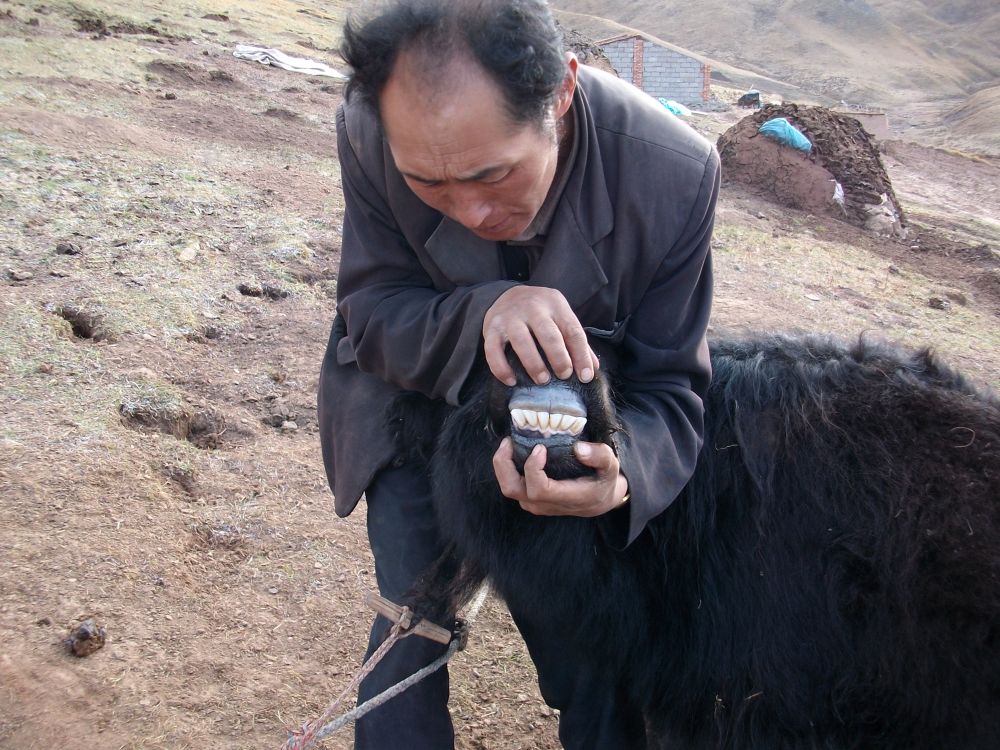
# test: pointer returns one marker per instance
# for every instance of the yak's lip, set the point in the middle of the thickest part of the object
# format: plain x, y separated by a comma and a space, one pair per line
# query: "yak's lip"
553, 415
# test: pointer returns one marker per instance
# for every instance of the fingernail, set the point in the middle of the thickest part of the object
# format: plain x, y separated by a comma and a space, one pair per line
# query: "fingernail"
537, 450
583, 450
587, 375
542, 378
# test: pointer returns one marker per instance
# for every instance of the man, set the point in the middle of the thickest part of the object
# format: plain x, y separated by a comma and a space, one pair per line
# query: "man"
497, 193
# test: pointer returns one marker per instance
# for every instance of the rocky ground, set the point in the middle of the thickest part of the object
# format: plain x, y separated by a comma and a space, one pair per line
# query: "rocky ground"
169, 241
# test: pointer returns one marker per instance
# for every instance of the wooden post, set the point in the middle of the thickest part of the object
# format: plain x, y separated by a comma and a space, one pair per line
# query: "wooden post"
396, 614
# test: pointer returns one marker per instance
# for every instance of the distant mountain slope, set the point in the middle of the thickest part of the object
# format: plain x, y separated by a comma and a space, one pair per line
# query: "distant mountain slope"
877, 51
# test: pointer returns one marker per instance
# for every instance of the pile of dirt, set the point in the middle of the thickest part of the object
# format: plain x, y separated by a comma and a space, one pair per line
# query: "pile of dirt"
585, 49
842, 152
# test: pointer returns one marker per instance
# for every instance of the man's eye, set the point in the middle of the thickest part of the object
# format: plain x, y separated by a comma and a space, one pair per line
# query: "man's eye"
493, 180
426, 183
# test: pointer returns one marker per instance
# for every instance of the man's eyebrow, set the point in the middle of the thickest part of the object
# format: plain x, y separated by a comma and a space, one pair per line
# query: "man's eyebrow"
482, 173
486, 172
417, 177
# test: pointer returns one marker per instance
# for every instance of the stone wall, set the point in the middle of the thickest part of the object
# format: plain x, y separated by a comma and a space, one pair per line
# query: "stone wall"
659, 71
620, 55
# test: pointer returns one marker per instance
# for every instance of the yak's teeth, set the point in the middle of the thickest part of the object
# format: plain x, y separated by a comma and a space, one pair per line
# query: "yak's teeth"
548, 424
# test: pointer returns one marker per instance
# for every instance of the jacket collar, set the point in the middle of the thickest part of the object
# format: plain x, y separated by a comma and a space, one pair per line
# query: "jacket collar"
583, 217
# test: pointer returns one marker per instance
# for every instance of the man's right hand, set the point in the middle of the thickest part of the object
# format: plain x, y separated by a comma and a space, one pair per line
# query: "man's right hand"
524, 315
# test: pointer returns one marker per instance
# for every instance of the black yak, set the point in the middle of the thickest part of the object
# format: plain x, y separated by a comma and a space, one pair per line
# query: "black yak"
829, 578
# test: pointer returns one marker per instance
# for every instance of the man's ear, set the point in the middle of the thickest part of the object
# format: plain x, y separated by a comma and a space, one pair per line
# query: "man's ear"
564, 97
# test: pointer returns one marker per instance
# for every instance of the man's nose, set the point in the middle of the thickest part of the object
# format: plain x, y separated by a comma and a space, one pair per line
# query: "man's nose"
470, 211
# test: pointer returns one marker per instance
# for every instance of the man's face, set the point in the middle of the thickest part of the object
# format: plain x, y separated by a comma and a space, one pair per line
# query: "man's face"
461, 154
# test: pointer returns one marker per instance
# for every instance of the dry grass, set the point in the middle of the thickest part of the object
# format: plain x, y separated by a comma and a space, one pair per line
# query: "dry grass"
819, 284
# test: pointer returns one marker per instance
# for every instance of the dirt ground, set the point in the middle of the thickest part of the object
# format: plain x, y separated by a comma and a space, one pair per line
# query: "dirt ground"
169, 238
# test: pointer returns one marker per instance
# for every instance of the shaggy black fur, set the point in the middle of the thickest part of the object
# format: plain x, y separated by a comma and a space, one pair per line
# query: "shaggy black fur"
829, 579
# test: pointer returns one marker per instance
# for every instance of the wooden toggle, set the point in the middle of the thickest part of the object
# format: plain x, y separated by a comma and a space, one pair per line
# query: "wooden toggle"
404, 616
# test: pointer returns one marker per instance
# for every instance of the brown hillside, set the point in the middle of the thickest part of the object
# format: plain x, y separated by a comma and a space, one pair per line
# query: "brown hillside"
881, 51
977, 121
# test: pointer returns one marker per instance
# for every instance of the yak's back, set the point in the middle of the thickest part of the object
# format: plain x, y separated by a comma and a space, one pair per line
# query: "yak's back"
912, 424
849, 494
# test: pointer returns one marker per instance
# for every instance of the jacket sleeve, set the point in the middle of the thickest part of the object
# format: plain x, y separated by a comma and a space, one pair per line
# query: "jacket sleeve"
399, 326
665, 371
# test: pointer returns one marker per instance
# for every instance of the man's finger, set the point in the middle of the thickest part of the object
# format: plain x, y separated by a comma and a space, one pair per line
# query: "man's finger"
595, 361
496, 359
579, 351
537, 483
597, 456
523, 344
510, 481
550, 338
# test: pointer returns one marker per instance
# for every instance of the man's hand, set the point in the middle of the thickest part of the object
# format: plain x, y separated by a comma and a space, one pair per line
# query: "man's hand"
537, 494
524, 315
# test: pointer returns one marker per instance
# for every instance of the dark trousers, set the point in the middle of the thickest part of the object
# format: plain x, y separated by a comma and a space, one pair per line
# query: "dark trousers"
404, 540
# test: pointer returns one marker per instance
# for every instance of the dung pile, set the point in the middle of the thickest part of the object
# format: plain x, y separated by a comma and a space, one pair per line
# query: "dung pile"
843, 153
585, 49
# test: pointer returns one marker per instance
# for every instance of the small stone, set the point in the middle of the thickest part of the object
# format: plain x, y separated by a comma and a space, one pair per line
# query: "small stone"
68, 248
939, 304
894, 269
760, 215
813, 297
289, 426
273, 590
250, 289
190, 252
170, 96
43, 622
45, 368
86, 638
274, 292
16, 274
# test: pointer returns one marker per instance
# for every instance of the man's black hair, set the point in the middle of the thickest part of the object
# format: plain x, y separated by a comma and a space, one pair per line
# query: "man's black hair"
516, 42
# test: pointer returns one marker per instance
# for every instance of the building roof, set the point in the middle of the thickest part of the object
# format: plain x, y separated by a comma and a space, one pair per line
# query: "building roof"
654, 40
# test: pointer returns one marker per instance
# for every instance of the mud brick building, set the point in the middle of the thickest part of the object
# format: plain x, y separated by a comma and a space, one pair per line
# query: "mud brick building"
658, 69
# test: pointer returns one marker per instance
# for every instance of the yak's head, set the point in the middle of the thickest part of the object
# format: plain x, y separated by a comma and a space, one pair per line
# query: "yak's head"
556, 415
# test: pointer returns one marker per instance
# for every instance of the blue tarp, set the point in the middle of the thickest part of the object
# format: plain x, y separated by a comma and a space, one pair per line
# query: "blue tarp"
675, 107
784, 132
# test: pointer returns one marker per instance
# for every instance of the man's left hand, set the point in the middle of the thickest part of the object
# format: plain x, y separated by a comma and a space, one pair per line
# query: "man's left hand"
538, 494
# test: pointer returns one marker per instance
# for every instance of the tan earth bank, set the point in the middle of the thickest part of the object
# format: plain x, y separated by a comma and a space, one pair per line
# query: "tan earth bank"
169, 233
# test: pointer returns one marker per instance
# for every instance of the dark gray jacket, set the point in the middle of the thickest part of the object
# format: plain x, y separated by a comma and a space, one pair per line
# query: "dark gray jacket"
628, 246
